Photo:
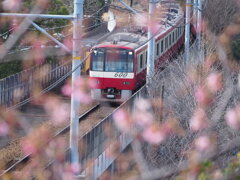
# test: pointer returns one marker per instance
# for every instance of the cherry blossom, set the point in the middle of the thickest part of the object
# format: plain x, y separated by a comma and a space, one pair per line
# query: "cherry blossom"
60, 114
4, 129
154, 135
233, 118
203, 96
214, 82
28, 147
203, 143
143, 104
81, 89
122, 120
12, 5
199, 120
144, 119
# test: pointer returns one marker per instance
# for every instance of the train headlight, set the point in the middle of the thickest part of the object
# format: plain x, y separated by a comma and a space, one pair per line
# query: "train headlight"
126, 83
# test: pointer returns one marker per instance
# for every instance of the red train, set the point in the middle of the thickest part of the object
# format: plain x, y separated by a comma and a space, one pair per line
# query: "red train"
119, 63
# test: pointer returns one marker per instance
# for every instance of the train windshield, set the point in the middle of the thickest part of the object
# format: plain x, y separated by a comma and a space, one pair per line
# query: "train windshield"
112, 60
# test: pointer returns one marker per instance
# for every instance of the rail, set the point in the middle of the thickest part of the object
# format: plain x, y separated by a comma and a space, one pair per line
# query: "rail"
25, 159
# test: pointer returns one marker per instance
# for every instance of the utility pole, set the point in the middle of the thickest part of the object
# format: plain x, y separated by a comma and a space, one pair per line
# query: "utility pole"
151, 42
195, 7
199, 29
76, 62
187, 31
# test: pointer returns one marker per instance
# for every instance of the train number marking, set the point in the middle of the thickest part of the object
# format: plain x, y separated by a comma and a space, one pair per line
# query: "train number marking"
121, 74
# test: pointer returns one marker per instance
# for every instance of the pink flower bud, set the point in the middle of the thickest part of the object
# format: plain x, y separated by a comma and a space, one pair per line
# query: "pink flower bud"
28, 147
203, 143
11, 5
122, 120
199, 120
233, 118
214, 82
203, 96
154, 135
4, 128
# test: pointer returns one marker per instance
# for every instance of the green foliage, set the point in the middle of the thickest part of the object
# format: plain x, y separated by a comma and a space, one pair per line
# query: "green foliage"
235, 47
9, 68
54, 7
207, 170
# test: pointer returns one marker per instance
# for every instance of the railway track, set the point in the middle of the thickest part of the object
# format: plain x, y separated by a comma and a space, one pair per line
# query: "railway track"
86, 121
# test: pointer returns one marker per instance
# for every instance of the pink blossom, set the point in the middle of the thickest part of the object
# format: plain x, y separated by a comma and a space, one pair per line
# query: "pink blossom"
202, 27
203, 143
60, 114
203, 96
67, 90
143, 104
4, 128
154, 135
122, 120
144, 119
233, 118
92, 83
28, 147
11, 5
75, 167
81, 90
83, 97
214, 82
199, 120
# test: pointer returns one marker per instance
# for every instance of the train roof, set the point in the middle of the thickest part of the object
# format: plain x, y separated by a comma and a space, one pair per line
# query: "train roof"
135, 37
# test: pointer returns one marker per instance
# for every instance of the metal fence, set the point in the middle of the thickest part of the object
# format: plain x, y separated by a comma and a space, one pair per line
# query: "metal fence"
18, 87
97, 141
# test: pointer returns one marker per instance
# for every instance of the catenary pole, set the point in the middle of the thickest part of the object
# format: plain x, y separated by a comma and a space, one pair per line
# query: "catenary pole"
76, 55
151, 42
75, 104
187, 31
195, 7
50, 37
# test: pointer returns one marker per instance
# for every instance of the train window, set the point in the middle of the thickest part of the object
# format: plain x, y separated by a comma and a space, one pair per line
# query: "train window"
146, 57
173, 36
157, 51
166, 43
176, 36
141, 61
118, 60
97, 59
170, 38
161, 46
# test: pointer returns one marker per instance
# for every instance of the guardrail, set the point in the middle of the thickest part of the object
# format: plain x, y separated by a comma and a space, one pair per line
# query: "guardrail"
97, 141
21, 84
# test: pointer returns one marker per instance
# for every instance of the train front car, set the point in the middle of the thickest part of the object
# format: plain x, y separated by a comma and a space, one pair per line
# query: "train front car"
113, 69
